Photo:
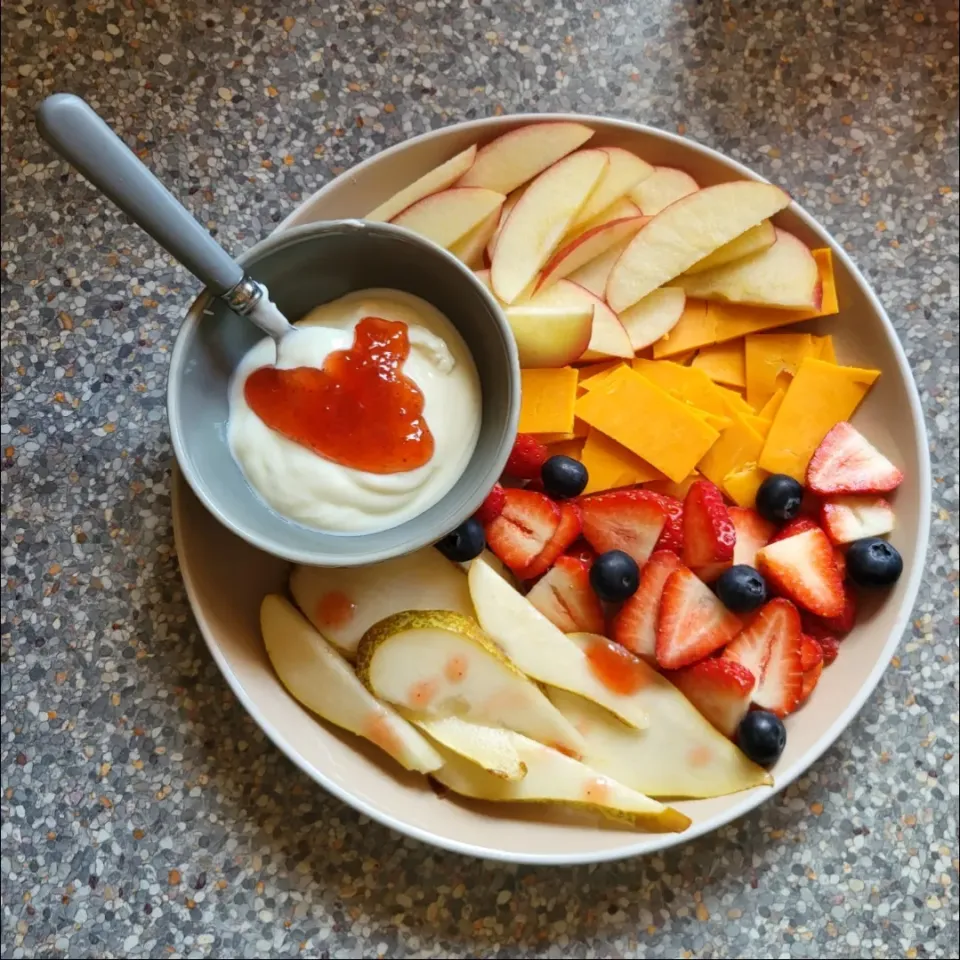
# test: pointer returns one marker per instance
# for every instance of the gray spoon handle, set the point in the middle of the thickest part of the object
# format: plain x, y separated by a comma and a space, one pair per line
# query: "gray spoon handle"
81, 137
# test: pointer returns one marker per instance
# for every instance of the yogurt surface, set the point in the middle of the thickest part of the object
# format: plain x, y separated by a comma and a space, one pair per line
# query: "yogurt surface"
318, 492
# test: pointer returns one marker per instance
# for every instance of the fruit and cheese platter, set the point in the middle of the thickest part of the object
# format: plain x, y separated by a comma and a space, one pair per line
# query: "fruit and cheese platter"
684, 530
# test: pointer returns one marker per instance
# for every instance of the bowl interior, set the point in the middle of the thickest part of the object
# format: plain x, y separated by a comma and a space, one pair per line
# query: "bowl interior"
226, 599
303, 268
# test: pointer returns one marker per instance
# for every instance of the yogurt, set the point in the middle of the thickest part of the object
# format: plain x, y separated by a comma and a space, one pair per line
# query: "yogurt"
319, 492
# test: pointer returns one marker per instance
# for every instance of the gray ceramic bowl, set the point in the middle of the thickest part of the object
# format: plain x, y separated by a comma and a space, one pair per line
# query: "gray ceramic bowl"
304, 267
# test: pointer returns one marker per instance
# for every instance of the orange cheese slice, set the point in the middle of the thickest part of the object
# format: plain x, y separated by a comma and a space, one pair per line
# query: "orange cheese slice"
723, 363
827, 350
741, 485
685, 383
694, 329
671, 489
740, 444
567, 448
611, 465
771, 359
547, 398
769, 410
819, 396
651, 423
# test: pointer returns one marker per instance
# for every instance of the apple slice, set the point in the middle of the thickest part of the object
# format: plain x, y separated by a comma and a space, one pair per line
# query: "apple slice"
623, 173
784, 276
540, 219
344, 602
316, 675
550, 336
439, 178
519, 155
554, 778
441, 664
654, 316
687, 231
608, 338
491, 748
447, 216
586, 247
751, 241
508, 205
541, 650
593, 275
665, 186
469, 248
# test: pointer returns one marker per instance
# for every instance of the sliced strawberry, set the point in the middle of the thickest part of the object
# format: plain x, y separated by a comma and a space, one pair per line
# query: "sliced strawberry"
829, 648
838, 626
809, 681
753, 532
528, 522
526, 458
794, 527
709, 536
568, 529
635, 625
840, 559
564, 596
811, 653
492, 507
582, 550
672, 536
846, 462
770, 649
802, 568
692, 622
720, 689
850, 518
627, 520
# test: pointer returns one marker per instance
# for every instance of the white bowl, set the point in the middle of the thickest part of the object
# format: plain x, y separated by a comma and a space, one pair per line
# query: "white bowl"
226, 595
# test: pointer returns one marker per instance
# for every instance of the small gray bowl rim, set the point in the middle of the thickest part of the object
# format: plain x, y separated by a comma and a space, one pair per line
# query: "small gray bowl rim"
325, 558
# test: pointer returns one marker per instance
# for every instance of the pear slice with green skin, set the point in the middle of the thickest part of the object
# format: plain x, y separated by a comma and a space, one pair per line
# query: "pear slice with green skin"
491, 748
538, 648
679, 755
441, 664
316, 675
342, 603
553, 777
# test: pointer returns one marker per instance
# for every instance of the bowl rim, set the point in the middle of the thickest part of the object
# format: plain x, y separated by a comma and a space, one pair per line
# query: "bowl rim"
750, 799
194, 317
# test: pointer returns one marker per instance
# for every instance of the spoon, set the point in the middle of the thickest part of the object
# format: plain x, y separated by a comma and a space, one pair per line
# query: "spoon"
72, 128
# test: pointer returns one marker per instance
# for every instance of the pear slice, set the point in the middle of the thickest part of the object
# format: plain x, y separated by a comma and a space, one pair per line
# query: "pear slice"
316, 675
492, 748
531, 641
555, 778
679, 755
441, 664
343, 603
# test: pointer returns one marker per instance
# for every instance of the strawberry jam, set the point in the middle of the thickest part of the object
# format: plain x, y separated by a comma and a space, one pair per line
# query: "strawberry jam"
358, 410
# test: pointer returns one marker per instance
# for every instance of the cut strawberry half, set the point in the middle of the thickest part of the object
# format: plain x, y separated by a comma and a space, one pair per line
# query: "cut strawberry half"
829, 648
692, 622
526, 458
720, 689
493, 505
846, 462
635, 625
810, 679
838, 626
793, 528
568, 529
528, 522
753, 533
811, 653
770, 649
581, 550
627, 520
671, 537
709, 536
802, 568
564, 596
850, 518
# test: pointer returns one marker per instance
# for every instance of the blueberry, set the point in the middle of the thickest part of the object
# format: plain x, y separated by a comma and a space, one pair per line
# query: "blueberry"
741, 588
779, 498
614, 576
872, 562
762, 737
563, 477
464, 543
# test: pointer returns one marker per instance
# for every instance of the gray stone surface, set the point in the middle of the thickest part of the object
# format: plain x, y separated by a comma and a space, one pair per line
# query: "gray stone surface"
144, 814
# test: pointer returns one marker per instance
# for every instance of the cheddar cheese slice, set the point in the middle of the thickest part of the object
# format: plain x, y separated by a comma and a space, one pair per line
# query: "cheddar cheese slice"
656, 426
827, 350
819, 396
723, 363
671, 489
568, 448
547, 398
694, 329
742, 485
771, 359
586, 383
685, 383
611, 465
769, 410
739, 445
578, 432
734, 401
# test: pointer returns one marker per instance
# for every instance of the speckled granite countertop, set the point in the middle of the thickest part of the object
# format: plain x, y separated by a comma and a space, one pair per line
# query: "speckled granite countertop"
144, 814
